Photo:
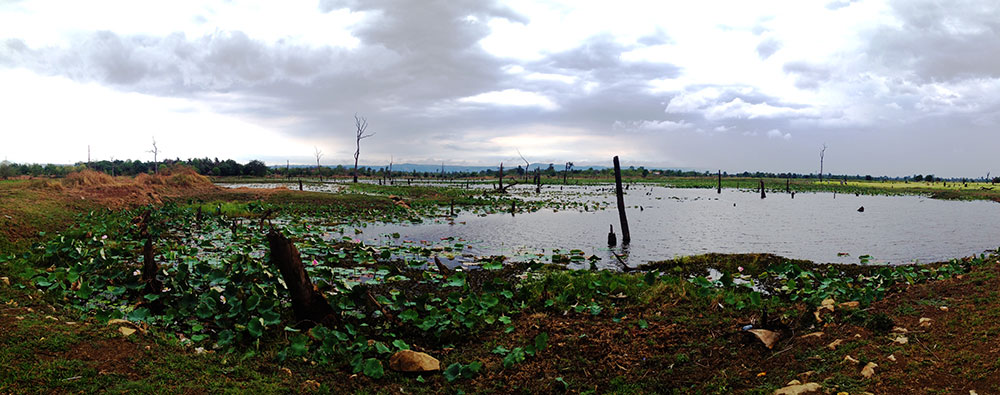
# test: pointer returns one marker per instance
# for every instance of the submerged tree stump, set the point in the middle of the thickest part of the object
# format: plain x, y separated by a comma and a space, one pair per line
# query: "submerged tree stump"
308, 304
718, 188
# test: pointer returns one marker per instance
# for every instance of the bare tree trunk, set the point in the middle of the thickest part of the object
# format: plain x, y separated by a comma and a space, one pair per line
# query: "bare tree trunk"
621, 203
788, 188
501, 177
762, 195
822, 154
718, 187
308, 304
361, 124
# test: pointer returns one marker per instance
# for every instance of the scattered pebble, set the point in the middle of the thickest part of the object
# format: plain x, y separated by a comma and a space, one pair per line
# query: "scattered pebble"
869, 370
798, 389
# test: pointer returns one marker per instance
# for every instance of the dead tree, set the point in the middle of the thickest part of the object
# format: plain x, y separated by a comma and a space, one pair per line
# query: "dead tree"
361, 124
526, 165
621, 203
788, 187
502, 188
155, 151
569, 166
822, 154
308, 304
319, 155
762, 195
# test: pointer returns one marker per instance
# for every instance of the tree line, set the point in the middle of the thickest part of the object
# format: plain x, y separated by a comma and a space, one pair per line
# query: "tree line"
257, 168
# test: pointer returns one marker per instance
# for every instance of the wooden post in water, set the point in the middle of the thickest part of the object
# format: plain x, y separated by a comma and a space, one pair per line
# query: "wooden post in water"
762, 195
621, 203
718, 188
501, 177
308, 304
788, 188
538, 180
300, 184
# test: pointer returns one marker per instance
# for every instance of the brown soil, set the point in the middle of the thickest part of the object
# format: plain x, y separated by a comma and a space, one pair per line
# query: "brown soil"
109, 356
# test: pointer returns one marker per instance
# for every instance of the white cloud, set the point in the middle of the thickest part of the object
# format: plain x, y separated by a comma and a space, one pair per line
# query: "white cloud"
512, 97
776, 134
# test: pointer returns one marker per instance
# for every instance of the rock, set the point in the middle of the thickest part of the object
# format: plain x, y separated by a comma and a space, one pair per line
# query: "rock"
944, 308
798, 389
924, 321
412, 361
769, 338
901, 340
848, 359
869, 370
833, 345
851, 305
814, 334
827, 304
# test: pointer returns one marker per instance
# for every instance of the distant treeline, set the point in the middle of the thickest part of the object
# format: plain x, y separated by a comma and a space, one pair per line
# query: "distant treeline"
257, 168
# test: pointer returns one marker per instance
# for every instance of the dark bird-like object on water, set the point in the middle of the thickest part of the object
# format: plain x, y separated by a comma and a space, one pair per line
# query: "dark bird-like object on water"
861, 209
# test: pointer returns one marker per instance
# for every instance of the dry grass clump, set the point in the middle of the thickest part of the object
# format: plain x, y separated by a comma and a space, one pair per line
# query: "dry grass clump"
51, 185
88, 178
184, 176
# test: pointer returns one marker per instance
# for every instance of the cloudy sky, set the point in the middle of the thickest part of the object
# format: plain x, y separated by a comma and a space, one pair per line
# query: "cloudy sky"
891, 87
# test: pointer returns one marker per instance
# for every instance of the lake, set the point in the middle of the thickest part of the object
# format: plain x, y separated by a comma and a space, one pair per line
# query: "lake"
669, 222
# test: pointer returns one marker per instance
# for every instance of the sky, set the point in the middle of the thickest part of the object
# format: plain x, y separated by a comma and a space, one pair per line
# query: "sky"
890, 87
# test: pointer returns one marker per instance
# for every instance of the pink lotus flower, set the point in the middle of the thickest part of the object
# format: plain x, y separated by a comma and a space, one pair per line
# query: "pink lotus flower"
105, 237
315, 263
740, 269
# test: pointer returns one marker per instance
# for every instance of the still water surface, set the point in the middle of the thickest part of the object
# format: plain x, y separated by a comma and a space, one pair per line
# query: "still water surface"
821, 227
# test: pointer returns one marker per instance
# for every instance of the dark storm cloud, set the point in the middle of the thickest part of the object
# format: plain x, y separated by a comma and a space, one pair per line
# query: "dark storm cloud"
809, 76
941, 40
172, 64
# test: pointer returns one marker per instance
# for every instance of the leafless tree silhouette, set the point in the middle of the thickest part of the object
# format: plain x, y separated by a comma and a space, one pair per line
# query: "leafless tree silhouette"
361, 124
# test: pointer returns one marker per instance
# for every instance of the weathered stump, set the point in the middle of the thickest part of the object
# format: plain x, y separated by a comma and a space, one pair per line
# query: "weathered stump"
308, 304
